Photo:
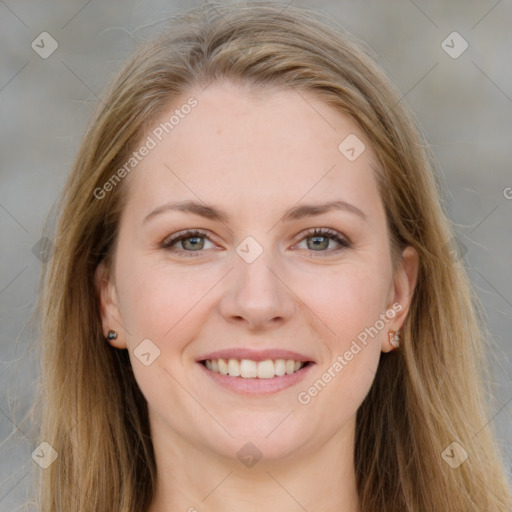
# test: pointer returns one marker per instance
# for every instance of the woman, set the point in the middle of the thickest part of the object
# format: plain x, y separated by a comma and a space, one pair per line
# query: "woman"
253, 304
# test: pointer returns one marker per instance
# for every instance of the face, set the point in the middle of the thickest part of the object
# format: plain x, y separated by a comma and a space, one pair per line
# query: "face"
272, 274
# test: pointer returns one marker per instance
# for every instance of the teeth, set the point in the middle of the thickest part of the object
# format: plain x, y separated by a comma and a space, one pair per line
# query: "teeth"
233, 368
280, 367
248, 369
223, 367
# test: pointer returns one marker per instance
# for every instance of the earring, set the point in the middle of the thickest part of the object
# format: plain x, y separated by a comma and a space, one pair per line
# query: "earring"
112, 335
394, 338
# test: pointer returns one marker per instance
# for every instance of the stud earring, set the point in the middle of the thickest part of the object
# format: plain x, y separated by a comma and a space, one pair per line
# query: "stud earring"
112, 335
394, 338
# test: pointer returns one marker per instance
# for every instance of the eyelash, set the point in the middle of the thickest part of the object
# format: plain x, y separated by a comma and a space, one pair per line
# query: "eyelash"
195, 233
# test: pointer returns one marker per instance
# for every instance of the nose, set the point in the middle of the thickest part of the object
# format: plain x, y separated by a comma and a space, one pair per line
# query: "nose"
257, 294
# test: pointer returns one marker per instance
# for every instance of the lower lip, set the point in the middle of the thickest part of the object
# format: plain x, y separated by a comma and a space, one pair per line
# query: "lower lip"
255, 386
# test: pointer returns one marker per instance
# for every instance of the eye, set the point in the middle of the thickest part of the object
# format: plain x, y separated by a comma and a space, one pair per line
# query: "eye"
321, 237
189, 239
193, 241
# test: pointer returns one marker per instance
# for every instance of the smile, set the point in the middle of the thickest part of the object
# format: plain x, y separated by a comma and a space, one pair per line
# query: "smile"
249, 369
255, 378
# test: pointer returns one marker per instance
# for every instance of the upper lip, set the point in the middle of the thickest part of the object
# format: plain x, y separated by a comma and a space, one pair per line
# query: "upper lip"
255, 355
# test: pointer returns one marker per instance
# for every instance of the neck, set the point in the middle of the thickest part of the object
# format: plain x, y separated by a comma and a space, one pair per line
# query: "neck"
192, 479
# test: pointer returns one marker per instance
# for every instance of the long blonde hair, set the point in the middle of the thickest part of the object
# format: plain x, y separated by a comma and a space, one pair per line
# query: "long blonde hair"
425, 396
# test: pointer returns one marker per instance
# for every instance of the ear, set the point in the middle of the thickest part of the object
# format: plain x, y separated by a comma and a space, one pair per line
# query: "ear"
402, 291
108, 305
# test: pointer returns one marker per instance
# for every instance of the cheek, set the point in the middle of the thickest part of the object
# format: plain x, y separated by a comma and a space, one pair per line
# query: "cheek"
347, 299
350, 302
346, 389
156, 299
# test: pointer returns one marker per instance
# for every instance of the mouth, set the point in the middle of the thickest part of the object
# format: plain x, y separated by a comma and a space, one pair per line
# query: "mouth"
251, 372
251, 377
252, 369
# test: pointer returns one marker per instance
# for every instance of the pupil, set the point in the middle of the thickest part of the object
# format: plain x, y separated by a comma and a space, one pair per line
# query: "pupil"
194, 244
323, 245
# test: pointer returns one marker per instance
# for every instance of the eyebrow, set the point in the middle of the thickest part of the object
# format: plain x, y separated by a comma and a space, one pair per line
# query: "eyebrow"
294, 213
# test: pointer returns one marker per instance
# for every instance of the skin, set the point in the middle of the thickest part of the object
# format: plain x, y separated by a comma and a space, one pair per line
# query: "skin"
254, 154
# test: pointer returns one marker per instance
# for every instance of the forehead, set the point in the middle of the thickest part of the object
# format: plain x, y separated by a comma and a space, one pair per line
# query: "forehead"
254, 148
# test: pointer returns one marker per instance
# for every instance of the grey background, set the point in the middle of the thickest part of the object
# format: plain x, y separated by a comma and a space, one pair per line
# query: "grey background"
463, 104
